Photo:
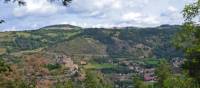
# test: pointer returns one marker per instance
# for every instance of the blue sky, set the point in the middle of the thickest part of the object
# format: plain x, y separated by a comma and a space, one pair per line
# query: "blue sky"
92, 13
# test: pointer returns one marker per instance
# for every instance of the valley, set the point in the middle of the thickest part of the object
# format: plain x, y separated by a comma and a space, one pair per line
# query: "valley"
61, 52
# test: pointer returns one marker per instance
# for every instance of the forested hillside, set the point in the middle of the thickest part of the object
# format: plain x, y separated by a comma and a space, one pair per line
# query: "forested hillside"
62, 53
120, 42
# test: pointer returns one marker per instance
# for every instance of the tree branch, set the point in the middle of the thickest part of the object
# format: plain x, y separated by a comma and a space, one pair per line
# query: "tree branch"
2, 21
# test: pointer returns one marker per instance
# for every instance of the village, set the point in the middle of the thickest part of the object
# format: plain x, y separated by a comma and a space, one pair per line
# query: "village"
121, 73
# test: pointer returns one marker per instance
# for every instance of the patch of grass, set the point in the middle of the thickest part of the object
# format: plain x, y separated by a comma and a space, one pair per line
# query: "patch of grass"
36, 36
53, 66
2, 51
6, 37
99, 66
81, 46
20, 53
51, 34
24, 34
70, 34
152, 62
4, 34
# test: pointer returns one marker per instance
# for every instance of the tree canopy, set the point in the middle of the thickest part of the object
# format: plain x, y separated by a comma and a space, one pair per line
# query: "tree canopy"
188, 39
191, 11
23, 2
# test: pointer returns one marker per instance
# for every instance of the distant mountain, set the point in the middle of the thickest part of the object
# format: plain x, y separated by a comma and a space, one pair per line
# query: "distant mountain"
61, 27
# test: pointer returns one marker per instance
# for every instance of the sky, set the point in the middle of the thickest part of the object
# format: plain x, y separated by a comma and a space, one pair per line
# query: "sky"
92, 13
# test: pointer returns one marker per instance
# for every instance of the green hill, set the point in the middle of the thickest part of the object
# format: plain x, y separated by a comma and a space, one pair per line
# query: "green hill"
115, 42
107, 50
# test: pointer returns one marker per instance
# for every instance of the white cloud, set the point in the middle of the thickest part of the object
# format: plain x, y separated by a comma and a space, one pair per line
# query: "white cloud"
117, 5
94, 13
172, 15
38, 7
151, 20
172, 9
132, 16
140, 19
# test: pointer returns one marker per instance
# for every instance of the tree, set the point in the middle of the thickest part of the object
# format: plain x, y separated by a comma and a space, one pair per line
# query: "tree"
96, 80
11, 77
179, 81
166, 79
188, 39
34, 70
191, 11
69, 84
3, 66
163, 72
90, 81
2, 21
138, 82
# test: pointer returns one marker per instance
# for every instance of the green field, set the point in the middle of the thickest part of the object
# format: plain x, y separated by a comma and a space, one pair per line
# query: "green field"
99, 66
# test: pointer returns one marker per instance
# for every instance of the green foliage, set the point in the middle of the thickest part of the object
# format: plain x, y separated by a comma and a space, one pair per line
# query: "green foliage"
3, 66
139, 83
14, 84
191, 11
179, 82
91, 80
163, 72
122, 43
96, 80
5, 70
193, 64
67, 84
53, 66
128, 43
166, 79
27, 43
151, 62
115, 43
101, 60
1, 21
188, 39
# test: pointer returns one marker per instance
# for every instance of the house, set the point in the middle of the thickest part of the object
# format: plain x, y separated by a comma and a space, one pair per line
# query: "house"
83, 63
149, 78
67, 62
149, 74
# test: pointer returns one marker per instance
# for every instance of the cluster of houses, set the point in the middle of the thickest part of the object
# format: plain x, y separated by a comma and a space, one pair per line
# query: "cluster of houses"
68, 63
73, 69
148, 74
